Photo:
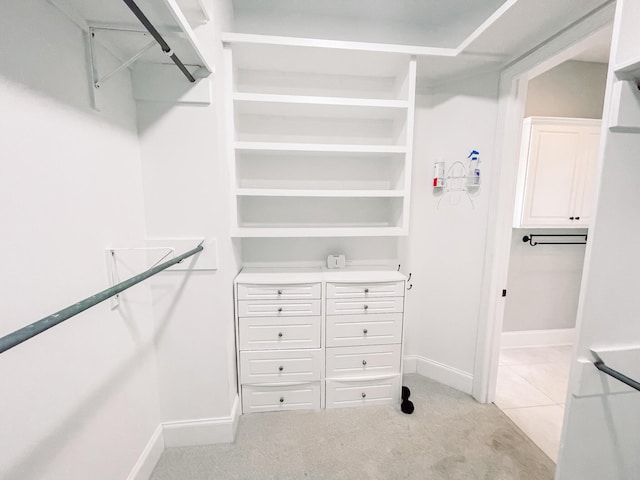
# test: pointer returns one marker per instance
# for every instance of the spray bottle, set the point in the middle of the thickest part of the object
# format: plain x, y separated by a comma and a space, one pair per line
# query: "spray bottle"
473, 173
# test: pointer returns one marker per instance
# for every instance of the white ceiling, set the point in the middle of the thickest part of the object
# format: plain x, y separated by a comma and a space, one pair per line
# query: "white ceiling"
436, 23
488, 39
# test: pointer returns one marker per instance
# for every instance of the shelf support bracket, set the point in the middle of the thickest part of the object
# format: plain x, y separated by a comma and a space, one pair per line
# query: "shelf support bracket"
102, 80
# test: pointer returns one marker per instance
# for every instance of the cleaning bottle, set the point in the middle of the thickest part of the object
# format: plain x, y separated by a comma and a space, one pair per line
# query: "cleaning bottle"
473, 173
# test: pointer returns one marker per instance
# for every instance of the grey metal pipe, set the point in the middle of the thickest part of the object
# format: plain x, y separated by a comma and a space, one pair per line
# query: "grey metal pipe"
158, 38
600, 365
25, 333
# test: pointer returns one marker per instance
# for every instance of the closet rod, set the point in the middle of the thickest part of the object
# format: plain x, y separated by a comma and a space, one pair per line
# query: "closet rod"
529, 238
600, 365
158, 38
25, 333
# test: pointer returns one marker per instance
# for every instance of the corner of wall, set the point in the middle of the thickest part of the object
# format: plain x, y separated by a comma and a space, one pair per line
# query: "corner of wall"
445, 374
149, 458
203, 431
183, 434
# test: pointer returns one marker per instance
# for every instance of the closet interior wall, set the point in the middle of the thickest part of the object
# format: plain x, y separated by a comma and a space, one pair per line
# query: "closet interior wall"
70, 187
544, 281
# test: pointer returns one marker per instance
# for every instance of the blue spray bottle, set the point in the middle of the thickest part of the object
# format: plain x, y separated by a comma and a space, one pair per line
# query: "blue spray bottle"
473, 173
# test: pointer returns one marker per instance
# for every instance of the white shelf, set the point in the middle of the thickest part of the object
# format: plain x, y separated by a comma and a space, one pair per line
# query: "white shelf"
339, 45
624, 116
113, 27
263, 192
165, 15
294, 232
320, 147
320, 100
292, 69
321, 141
629, 70
278, 106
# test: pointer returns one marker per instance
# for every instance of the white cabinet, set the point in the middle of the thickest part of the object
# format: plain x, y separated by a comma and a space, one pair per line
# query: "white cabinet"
558, 164
278, 331
320, 139
364, 343
301, 348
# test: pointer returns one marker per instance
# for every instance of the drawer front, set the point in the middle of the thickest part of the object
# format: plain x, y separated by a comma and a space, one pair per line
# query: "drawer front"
365, 290
276, 292
280, 366
363, 361
269, 333
264, 399
278, 308
342, 393
339, 306
376, 329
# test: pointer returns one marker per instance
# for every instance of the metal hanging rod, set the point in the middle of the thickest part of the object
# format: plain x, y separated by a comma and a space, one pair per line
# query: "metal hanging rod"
25, 333
600, 365
533, 243
158, 38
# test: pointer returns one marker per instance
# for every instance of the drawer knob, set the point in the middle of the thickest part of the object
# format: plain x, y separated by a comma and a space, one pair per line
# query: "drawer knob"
279, 309
366, 307
281, 368
365, 331
364, 362
366, 290
281, 399
279, 292
364, 395
279, 334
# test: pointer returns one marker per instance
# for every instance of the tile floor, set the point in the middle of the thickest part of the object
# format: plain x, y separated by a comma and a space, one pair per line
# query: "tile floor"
531, 390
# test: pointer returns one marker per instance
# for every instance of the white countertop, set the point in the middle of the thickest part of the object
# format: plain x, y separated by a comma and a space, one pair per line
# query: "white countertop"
349, 274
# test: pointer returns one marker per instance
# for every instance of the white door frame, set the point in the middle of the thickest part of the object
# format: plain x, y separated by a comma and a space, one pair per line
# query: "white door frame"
511, 102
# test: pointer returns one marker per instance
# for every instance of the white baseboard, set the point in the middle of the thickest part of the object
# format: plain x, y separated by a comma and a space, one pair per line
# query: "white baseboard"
205, 431
538, 338
184, 434
439, 372
143, 468
410, 364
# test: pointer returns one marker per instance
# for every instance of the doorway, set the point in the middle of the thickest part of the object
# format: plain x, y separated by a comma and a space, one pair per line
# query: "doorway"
537, 366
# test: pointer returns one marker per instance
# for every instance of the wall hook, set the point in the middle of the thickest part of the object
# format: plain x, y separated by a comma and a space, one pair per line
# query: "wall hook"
409, 277
410, 286
398, 267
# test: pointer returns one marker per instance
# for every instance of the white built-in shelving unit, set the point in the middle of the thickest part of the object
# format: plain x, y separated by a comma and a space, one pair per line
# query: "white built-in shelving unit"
625, 105
320, 138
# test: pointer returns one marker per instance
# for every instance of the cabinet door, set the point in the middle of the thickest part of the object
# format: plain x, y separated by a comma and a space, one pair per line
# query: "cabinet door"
551, 175
586, 189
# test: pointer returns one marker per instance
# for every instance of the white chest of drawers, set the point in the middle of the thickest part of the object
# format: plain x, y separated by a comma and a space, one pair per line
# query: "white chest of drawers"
308, 338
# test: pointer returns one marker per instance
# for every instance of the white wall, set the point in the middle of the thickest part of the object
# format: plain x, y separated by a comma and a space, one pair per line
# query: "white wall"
600, 435
78, 401
600, 438
186, 192
572, 89
543, 283
444, 250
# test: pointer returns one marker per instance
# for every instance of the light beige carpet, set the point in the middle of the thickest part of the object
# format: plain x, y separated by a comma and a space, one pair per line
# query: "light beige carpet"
449, 436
